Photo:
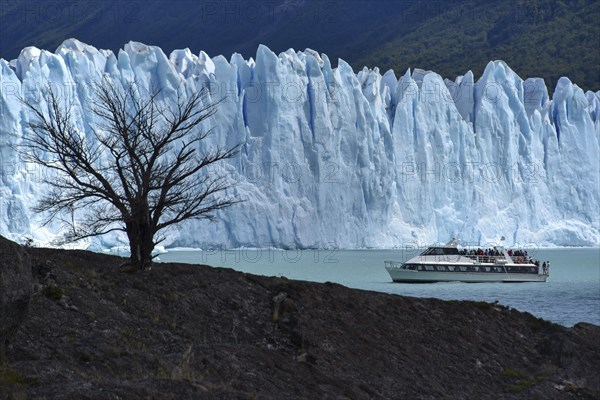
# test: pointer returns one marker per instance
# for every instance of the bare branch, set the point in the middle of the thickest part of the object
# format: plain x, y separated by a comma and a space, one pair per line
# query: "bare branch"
142, 173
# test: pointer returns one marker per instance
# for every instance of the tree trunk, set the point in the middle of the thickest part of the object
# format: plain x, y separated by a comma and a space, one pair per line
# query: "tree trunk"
141, 242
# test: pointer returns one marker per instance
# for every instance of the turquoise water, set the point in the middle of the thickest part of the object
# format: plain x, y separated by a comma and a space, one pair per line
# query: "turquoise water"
571, 295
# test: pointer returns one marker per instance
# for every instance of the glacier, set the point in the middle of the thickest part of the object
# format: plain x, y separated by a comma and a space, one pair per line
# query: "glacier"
334, 158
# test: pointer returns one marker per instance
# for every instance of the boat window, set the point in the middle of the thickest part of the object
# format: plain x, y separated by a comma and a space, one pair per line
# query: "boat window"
441, 251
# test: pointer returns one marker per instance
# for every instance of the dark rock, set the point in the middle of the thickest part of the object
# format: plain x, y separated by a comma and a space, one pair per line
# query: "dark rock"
15, 290
277, 300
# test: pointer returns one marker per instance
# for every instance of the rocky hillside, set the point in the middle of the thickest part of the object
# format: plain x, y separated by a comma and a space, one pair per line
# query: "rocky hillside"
94, 331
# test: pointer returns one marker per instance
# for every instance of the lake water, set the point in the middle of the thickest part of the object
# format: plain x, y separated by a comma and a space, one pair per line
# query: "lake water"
571, 295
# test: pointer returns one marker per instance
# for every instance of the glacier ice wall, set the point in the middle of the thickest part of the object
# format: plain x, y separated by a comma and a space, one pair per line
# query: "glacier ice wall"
335, 158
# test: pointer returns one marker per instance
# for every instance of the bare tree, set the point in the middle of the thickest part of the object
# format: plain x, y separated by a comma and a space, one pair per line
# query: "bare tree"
140, 172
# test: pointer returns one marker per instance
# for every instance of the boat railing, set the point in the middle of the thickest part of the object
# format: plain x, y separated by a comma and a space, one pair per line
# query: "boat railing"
486, 259
522, 260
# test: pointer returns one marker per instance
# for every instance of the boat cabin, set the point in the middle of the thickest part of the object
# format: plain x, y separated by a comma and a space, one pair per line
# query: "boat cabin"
441, 251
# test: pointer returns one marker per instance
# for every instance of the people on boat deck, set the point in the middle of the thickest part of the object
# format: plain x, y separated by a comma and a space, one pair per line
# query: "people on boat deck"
518, 256
481, 252
517, 253
546, 267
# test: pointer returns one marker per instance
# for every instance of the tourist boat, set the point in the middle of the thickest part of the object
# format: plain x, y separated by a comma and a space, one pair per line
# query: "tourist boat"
446, 263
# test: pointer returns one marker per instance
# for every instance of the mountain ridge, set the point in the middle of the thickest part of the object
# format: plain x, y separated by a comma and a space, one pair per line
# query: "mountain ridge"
535, 37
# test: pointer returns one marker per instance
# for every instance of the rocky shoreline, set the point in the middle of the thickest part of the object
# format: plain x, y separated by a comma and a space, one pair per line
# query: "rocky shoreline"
93, 331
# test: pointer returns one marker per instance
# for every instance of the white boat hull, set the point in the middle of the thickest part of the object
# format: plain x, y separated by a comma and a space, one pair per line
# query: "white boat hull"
445, 263
410, 276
